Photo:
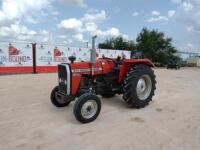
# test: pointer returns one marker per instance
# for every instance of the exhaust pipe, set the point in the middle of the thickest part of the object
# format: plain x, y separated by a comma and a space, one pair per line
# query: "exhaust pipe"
93, 51
93, 54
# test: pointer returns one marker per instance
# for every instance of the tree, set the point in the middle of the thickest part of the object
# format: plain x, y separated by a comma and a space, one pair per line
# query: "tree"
118, 43
155, 46
152, 44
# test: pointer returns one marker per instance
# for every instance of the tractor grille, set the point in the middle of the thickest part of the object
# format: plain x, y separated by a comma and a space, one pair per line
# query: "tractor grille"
62, 78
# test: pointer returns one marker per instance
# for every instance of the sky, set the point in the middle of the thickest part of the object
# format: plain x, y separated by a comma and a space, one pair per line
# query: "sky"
74, 22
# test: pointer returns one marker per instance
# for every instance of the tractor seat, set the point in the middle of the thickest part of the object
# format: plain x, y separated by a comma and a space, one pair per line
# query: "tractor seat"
118, 62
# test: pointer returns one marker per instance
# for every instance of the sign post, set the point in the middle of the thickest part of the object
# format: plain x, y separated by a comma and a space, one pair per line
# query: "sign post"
34, 57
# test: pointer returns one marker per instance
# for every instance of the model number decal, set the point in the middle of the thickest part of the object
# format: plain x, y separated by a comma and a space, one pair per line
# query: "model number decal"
85, 70
76, 75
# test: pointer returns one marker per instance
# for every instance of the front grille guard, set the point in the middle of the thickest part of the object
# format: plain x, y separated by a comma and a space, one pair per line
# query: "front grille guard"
64, 78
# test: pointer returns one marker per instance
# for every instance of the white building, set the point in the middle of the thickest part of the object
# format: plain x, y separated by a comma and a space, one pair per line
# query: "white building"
193, 61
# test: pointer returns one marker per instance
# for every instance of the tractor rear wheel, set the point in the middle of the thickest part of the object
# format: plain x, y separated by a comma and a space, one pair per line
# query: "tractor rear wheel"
139, 86
58, 102
87, 108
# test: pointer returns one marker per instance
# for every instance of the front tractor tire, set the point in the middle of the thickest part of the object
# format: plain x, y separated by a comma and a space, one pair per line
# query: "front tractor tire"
139, 86
87, 108
58, 102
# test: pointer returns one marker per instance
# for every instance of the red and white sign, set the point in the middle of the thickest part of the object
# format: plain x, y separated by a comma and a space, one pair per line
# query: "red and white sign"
17, 57
15, 54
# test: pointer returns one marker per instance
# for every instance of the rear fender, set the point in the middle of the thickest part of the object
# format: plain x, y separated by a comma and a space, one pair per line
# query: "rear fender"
129, 63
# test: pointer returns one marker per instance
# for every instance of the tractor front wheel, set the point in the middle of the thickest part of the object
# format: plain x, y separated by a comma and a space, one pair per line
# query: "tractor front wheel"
87, 108
139, 86
59, 102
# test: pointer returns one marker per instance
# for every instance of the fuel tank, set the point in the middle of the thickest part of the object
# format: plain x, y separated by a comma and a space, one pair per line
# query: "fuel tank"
102, 66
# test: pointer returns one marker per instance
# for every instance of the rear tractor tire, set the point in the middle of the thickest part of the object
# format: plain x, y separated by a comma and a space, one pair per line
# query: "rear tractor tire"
139, 86
57, 102
87, 108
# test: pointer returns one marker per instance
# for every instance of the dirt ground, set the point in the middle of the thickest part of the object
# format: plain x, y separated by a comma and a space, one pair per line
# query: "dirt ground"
28, 121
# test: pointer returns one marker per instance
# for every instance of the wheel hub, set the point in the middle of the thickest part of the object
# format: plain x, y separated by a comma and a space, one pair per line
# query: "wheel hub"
89, 109
144, 87
141, 85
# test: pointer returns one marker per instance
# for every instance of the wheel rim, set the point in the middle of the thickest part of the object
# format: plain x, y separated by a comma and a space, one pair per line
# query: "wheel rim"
89, 109
144, 87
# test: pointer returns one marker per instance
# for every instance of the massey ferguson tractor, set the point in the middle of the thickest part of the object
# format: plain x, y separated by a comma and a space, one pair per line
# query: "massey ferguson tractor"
83, 81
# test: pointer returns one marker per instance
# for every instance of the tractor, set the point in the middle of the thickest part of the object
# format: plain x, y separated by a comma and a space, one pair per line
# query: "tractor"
86, 81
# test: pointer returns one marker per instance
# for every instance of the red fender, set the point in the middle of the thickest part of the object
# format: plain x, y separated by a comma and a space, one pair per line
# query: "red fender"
129, 63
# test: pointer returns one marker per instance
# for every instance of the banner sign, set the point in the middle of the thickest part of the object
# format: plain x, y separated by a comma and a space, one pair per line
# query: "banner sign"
15, 54
17, 57
113, 53
52, 55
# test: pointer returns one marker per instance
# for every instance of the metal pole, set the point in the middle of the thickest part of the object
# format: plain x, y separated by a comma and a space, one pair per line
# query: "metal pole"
34, 57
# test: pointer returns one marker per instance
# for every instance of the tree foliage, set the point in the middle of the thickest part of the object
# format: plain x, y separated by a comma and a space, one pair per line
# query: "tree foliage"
117, 43
153, 44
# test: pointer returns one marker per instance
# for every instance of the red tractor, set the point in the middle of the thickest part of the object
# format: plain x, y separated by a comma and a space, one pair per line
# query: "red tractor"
83, 81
